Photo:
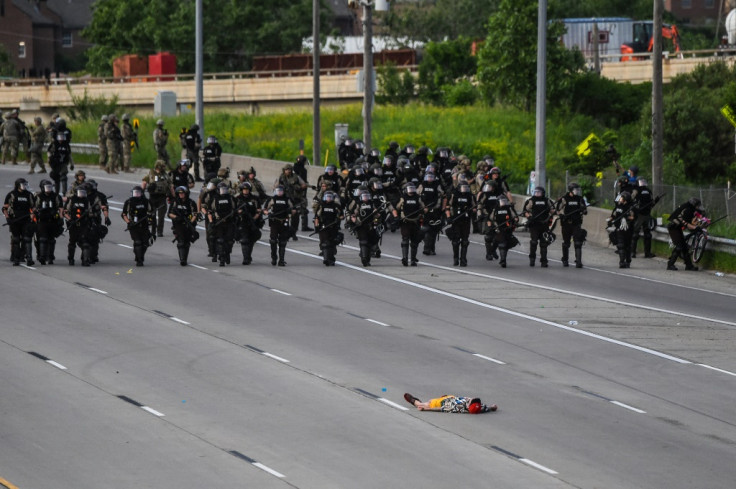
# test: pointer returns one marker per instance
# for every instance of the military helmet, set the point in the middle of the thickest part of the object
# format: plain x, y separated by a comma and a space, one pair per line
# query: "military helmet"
160, 166
80, 173
126, 117
160, 122
288, 167
223, 172
37, 120
104, 118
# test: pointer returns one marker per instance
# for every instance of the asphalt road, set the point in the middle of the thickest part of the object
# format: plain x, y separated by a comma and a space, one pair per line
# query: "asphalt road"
206, 376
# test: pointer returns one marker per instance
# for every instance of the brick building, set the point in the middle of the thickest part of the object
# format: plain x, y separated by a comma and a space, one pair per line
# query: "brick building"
698, 12
44, 36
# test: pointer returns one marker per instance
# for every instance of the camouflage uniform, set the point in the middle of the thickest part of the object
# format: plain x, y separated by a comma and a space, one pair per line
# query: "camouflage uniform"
129, 136
296, 190
102, 142
11, 131
38, 139
114, 140
160, 140
158, 185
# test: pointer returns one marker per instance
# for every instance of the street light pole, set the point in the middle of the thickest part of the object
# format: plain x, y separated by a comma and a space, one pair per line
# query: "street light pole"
541, 134
367, 72
199, 68
316, 137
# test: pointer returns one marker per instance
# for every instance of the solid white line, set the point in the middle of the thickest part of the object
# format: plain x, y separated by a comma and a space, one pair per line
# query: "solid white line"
97, 290
179, 320
197, 266
280, 292
377, 322
56, 364
152, 411
119, 209
488, 358
270, 355
717, 369
628, 407
268, 469
538, 466
392, 404
26, 266
125, 246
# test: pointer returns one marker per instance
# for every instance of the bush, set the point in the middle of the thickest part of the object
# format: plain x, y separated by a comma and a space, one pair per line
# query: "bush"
461, 93
393, 88
88, 108
612, 103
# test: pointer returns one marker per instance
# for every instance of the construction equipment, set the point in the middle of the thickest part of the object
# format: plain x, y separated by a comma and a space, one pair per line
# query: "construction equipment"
644, 40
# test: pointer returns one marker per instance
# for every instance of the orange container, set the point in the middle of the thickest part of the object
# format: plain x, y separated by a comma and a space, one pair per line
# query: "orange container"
162, 64
129, 65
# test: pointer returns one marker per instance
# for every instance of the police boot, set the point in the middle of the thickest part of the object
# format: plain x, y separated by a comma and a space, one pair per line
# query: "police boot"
365, 255
29, 251
138, 254
414, 249
332, 250
648, 248
282, 253
183, 252
244, 247
405, 254
532, 253
578, 257
85, 256
543, 256
464, 253
673, 259
43, 251
52, 247
15, 251
489, 250
221, 252
70, 255
634, 243
494, 247
502, 261
274, 248
565, 255
455, 253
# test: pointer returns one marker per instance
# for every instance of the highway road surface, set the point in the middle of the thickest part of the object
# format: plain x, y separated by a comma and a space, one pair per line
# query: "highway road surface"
167, 377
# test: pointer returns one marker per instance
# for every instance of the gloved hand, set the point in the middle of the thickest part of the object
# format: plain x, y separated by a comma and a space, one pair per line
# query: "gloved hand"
107, 221
624, 225
71, 166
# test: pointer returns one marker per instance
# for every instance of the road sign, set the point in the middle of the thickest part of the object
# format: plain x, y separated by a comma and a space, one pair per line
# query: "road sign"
583, 148
729, 114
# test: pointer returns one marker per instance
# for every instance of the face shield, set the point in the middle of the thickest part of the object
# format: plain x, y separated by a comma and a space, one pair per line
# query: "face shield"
136, 192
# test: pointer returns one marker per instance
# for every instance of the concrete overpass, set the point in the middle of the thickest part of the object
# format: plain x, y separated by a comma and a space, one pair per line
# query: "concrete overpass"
253, 92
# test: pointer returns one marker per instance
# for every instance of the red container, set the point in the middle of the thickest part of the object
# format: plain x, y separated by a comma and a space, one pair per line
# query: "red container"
129, 65
162, 64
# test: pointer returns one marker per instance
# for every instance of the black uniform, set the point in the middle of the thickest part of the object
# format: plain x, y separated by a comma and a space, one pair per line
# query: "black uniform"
410, 210
538, 210
433, 197
59, 158
98, 231
680, 219
183, 215
138, 211
192, 143
249, 224
458, 211
366, 217
280, 209
327, 221
222, 222
644, 201
50, 224
211, 158
78, 224
571, 209
622, 218
18, 208
504, 220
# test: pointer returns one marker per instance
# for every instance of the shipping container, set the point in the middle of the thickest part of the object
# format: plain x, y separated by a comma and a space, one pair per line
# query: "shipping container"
162, 64
129, 65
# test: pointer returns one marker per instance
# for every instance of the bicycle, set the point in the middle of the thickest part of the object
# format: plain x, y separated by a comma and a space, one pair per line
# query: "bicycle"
697, 240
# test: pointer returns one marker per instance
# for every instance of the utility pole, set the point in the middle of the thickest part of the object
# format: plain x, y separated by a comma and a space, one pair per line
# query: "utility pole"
199, 68
541, 135
316, 137
367, 72
657, 108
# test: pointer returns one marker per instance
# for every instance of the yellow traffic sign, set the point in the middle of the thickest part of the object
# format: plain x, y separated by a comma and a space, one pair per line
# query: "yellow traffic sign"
583, 148
729, 114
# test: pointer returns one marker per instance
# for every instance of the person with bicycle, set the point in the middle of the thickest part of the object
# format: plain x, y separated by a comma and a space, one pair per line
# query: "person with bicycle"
684, 217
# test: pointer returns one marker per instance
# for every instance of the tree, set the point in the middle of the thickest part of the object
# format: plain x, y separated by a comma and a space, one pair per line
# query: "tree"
234, 31
636, 9
443, 64
507, 62
7, 68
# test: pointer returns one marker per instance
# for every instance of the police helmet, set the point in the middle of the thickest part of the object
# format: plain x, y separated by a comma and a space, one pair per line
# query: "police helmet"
365, 196
376, 153
21, 184
82, 191
359, 144
185, 162
211, 139
626, 196
495, 171
393, 145
348, 141
409, 149
642, 181
137, 191
223, 188
464, 188
358, 171
328, 196
194, 127
430, 177
539, 191
92, 184
695, 202
443, 152
278, 191
376, 170
48, 186
182, 188
245, 186
388, 160
423, 150
410, 188
330, 169
376, 184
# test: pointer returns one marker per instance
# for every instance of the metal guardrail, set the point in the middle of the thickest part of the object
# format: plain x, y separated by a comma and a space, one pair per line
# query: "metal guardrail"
694, 53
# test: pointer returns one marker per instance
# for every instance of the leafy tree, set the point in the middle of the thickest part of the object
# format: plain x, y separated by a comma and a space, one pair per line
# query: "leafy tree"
444, 63
234, 31
7, 68
507, 62
394, 88
636, 9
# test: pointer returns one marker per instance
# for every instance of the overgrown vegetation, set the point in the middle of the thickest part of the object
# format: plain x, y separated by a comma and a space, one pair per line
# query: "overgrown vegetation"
87, 108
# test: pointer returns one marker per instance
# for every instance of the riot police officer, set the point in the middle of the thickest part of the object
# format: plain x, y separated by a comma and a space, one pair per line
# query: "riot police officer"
159, 189
433, 197
410, 210
192, 144
49, 210
250, 220
18, 210
365, 218
98, 210
183, 215
327, 219
572, 207
459, 208
538, 209
137, 215
211, 156
180, 177
487, 203
296, 190
684, 217
644, 202
77, 214
60, 156
221, 215
279, 210
622, 219
504, 219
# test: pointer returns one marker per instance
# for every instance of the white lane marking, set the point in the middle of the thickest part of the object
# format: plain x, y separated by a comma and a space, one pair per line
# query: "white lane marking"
280, 292
268, 469
99, 291
392, 404
555, 289
538, 466
717, 369
377, 322
179, 320
125, 246
626, 406
56, 364
271, 355
152, 411
488, 358
27, 266
197, 266
506, 311
119, 209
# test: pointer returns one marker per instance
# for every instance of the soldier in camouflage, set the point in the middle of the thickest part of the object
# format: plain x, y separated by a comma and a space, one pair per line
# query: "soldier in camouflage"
38, 139
102, 142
